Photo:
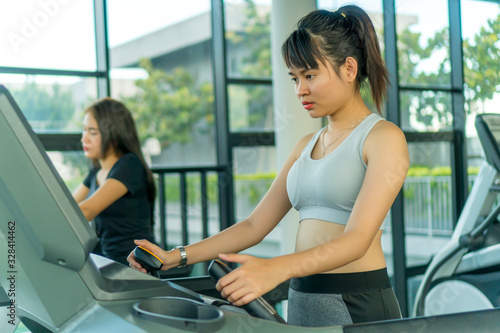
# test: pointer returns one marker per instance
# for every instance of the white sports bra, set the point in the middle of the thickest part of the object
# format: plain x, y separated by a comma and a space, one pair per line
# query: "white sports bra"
326, 189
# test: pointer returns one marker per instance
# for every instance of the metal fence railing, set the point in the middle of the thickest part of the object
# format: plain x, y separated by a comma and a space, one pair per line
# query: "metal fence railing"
184, 192
427, 204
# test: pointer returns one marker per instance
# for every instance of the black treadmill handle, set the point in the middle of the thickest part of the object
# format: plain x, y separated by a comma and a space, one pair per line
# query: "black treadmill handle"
148, 261
259, 307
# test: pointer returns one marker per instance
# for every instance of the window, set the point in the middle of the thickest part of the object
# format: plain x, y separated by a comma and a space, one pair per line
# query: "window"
248, 65
165, 80
423, 43
426, 111
51, 104
481, 67
48, 34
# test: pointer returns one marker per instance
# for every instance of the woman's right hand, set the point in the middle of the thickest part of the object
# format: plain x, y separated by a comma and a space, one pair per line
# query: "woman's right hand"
157, 251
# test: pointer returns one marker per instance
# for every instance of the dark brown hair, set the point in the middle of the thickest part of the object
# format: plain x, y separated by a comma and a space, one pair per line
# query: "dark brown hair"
334, 36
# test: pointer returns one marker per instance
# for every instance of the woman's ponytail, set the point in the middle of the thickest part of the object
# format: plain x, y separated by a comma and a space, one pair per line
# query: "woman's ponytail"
374, 70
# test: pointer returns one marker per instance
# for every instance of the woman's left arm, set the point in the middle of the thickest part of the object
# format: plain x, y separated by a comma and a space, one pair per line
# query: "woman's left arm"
386, 155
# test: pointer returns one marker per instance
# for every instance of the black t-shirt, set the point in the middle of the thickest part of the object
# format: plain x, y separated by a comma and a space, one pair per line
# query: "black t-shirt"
129, 217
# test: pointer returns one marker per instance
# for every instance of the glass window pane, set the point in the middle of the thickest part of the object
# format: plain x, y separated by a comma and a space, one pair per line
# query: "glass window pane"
481, 51
428, 208
426, 111
166, 81
387, 245
248, 38
48, 34
51, 103
250, 108
173, 208
146, 20
427, 196
254, 171
423, 42
72, 166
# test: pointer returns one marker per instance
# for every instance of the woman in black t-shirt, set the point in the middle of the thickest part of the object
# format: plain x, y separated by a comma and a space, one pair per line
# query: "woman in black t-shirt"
118, 193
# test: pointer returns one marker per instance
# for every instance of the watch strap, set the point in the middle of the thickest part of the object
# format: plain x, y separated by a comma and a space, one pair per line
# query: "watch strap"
184, 257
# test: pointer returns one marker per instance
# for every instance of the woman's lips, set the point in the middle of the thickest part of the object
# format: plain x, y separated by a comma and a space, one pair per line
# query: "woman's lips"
307, 105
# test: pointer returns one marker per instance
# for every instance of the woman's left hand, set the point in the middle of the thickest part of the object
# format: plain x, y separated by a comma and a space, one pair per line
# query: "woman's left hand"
254, 278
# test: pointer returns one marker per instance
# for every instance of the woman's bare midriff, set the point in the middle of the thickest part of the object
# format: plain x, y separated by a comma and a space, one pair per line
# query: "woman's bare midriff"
313, 232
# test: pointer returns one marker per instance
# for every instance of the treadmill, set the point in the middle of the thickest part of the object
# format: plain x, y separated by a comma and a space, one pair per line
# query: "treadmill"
465, 274
52, 283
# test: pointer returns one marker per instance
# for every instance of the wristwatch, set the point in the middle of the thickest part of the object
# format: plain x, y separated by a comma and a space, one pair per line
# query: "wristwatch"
184, 257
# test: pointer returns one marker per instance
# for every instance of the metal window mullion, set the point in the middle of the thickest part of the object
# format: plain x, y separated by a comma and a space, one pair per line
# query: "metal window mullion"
458, 153
419, 137
249, 81
102, 51
428, 88
53, 72
224, 150
162, 210
204, 209
393, 115
204, 204
60, 142
247, 139
184, 208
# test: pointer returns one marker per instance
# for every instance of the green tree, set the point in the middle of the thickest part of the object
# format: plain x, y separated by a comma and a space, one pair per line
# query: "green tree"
46, 107
429, 107
256, 100
168, 106
481, 56
51, 108
255, 40
482, 65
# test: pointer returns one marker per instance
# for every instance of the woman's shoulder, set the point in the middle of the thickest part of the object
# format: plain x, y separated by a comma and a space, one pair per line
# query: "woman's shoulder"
128, 157
386, 136
386, 130
129, 160
129, 170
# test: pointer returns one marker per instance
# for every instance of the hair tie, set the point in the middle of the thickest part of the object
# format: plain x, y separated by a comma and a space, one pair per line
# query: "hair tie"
342, 14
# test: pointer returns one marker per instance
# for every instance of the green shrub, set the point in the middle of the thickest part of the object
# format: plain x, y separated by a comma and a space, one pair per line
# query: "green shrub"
193, 181
441, 171
255, 190
423, 171
418, 171
193, 187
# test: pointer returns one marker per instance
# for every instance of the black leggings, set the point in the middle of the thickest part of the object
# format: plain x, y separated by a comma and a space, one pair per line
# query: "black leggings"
339, 299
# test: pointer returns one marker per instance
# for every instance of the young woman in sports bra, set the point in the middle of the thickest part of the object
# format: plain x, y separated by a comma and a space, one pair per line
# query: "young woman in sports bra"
342, 179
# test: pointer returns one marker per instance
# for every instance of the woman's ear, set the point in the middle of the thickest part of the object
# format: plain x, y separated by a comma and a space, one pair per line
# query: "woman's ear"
351, 68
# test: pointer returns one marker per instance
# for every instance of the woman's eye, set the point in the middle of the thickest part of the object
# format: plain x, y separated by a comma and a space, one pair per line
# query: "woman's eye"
309, 76
294, 79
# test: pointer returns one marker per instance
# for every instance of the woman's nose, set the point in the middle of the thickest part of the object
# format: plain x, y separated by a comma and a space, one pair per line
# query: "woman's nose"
84, 136
301, 89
